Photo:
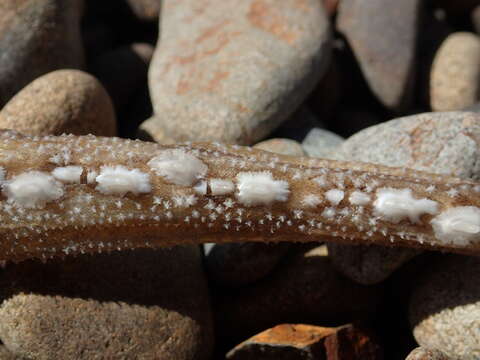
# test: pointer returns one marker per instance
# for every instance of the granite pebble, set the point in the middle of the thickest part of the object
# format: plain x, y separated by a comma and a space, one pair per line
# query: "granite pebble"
455, 74
63, 101
444, 308
141, 304
236, 72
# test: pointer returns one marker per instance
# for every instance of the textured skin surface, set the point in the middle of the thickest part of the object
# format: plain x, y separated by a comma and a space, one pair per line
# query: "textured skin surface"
36, 37
383, 45
444, 143
63, 101
233, 71
455, 75
173, 214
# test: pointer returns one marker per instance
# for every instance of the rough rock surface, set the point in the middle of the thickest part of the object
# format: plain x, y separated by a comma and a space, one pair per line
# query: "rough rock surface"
383, 36
63, 101
444, 309
455, 74
36, 37
237, 71
141, 304
446, 143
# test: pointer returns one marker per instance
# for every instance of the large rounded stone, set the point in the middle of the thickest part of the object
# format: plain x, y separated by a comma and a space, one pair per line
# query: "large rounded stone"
444, 308
63, 101
37, 36
383, 36
140, 304
445, 143
455, 74
237, 71
305, 288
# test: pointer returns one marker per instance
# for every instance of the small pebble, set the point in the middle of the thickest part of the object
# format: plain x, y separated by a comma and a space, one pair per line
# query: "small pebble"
63, 101
455, 74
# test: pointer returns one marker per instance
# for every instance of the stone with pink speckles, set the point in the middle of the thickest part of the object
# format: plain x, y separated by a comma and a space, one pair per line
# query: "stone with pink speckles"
232, 71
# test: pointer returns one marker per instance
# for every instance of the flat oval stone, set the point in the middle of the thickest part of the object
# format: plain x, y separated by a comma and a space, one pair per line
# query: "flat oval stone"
37, 36
455, 74
237, 71
63, 101
141, 304
383, 36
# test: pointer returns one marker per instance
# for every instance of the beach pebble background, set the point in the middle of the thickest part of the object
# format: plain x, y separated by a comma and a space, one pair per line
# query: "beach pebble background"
390, 82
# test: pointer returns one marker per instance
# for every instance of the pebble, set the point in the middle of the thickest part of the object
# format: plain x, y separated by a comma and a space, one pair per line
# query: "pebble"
38, 36
305, 288
63, 101
444, 308
141, 304
433, 142
455, 74
422, 353
151, 130
383, 36
145, 10
234, 79
281, 146
292, 341
321, 142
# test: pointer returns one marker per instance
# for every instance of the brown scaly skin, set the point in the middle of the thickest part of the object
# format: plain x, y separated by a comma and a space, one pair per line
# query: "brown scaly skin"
84, 220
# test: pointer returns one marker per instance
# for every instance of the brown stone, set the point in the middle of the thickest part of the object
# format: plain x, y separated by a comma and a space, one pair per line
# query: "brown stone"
141, 304
299, 341
63, 101
351, 342
455, 74
285, 341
